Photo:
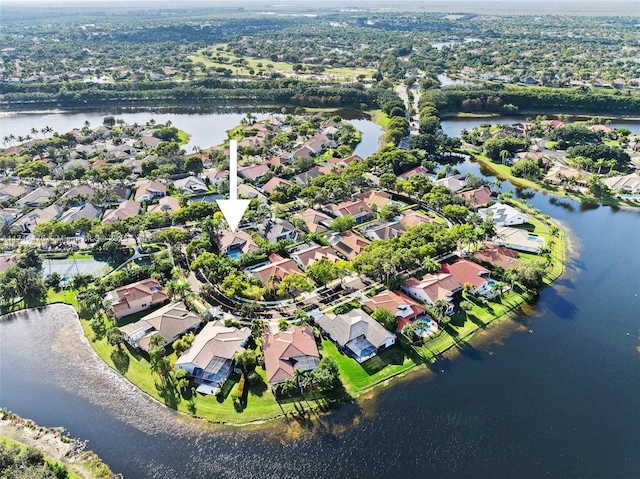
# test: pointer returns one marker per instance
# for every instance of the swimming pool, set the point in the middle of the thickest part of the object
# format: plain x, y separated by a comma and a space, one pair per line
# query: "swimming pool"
533, 238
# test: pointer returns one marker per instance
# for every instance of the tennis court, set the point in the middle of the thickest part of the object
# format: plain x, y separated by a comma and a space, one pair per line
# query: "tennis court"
67, 268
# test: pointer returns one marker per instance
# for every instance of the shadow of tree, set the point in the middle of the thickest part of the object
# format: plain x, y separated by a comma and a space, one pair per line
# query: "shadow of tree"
169, 393
258, 388
120, 360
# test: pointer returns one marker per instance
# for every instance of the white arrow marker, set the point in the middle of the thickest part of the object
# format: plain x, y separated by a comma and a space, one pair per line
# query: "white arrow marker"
233, 209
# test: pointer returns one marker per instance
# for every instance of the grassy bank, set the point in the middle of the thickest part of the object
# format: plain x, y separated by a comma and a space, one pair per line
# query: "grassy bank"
504, 172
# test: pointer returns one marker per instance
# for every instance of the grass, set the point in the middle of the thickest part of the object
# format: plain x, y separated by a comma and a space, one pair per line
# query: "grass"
183, 137
22, 446
252, 64
504, 172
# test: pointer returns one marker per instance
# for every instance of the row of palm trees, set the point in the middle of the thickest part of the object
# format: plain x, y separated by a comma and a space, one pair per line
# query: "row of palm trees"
13, 139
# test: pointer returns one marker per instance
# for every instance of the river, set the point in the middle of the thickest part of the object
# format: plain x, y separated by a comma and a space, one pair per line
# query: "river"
552, 393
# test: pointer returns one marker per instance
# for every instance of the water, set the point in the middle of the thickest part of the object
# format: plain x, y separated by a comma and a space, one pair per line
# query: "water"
206, 128
553, 393
454, 126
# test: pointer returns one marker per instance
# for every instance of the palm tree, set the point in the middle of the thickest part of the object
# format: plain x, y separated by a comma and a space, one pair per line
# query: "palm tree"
299, 376
156, 340
498, 287
430, 265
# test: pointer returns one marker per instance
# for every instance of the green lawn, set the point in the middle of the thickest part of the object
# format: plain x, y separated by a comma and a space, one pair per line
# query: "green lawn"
252, 64
504, 172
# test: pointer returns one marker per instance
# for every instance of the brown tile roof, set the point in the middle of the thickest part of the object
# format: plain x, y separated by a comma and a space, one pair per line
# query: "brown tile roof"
228, 238
378, 198
277, 266
465, 271
124, 210
498, 256
147, 288
396, 303
349, 207
313, 253
253, 172
436, 286
411, 218
283, 350
477, 198
312, 219
273, 183
215, 340
350, 244
170, 201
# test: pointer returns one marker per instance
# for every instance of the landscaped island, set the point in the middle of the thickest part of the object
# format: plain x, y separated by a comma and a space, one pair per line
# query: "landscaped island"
345, 271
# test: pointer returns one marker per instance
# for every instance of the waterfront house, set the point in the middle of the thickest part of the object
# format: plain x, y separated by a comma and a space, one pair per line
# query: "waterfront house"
433, 287
170, 321
135, 297
503, 215
420, 170
288, 350
150, 190
628, 184
357, 334
518, 239
405, 309
210, 358
454, 183
497, 256
477, 198
467, 272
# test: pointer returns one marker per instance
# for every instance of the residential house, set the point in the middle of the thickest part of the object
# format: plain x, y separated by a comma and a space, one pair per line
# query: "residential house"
467, 272
248, 191
135, 164
28, 222
454, 183
80, 193
378, 198
204, 159
167, 204
87, 210
308, 253
274, 183
384, 230
8, 215
628, 184
120, 192
412, 218
433, 287
303, 151
215, 176
236, 243
9, 192
277, 267
518, 239
303, 179
135, 297
210, 358
348, 244
405, 309
148, 141
497, 256
478, 198
420, 170
565, 175
191, 185
150, 190
288, 350
503, 215
358, 209
357, 334
314, 220
6, 262
124, 210
35, 198
170, 321
278, 230
253, 172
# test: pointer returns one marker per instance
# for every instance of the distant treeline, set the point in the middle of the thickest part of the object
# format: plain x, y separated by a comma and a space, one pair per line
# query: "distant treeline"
209, 91
489, 97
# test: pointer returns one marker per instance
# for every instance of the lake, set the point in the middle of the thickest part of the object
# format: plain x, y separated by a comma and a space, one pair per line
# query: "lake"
551, 393
206, 127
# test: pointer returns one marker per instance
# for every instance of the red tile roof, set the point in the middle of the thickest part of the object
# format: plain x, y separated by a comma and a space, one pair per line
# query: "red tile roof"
465, 271
397, 303
281, 350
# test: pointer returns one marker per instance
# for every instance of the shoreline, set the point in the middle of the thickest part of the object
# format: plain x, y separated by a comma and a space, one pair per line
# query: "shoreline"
54, 445
562, 249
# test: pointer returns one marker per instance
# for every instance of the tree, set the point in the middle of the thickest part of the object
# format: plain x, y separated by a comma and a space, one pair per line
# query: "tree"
389, 211
386, 318
156, 340
430, 265
258, 327
114, 337
597, 188
283, 325
293, 284
193, 164
343, 223
326, 375
531, 275
246, 360
322, 271
466, 306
